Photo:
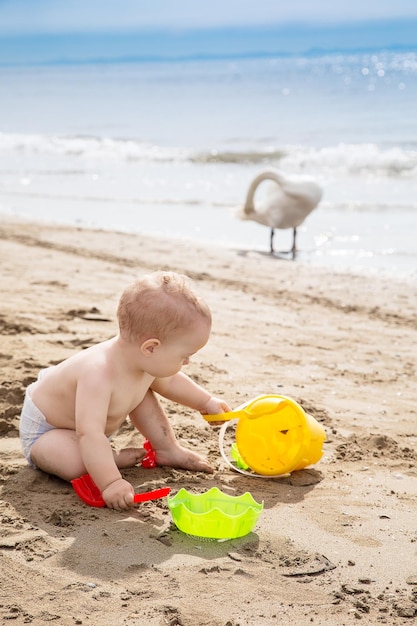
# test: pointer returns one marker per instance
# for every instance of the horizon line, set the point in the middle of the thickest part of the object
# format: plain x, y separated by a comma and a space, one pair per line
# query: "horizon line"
201, 57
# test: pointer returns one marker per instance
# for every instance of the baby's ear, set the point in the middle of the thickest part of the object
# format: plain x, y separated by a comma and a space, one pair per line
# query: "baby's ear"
149, 346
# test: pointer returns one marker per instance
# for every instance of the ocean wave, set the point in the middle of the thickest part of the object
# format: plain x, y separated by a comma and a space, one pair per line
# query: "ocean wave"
357, 160
92, 147
88, 147
353, 159
347, 159
245, 156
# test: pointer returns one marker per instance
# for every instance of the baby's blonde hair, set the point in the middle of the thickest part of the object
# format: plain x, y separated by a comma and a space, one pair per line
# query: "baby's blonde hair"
159, 305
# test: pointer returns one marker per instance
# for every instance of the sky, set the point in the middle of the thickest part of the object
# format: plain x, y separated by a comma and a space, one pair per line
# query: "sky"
66, 31
60, 16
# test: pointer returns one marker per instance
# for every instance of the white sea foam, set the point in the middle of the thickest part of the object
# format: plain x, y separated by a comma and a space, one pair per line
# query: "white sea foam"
87, 147
354, 159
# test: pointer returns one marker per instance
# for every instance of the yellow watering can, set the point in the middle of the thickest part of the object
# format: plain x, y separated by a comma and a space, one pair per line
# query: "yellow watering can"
274, 436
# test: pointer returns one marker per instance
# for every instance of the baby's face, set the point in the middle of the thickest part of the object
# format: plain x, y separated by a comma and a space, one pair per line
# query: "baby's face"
172, 354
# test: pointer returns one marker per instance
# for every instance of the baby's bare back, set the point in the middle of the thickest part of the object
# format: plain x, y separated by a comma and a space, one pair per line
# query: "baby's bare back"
95, 379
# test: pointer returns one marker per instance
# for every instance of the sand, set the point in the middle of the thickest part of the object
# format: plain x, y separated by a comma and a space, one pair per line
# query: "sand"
336, 543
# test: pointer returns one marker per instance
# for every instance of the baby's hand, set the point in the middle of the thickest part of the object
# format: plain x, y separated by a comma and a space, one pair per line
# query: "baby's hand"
119, 495
214, 406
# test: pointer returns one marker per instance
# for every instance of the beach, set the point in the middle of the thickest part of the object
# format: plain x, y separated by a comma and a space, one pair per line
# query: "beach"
335, 544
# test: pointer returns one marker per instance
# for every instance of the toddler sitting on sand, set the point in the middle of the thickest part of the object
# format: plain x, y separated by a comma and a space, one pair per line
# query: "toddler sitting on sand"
72, 410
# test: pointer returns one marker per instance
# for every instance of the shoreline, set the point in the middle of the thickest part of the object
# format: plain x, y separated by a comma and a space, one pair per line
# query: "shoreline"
321, 246
341, 345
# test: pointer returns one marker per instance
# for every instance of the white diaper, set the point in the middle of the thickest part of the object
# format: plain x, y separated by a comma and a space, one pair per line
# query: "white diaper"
33, 423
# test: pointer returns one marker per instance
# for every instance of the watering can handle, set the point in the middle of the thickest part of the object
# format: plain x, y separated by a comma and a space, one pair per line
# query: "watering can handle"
224, 417
244, 410
221, 417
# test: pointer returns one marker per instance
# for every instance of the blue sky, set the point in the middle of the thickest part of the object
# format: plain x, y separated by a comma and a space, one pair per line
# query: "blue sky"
57, 16
78, 30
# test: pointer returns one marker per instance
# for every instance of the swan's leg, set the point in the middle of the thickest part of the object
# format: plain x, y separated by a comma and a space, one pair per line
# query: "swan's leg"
294, 244
272, 240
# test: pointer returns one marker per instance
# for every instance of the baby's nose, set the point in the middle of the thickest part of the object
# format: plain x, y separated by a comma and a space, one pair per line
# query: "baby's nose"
186, 361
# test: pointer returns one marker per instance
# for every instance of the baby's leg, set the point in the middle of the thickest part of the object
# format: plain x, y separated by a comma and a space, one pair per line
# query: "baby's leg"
151, 421
58, 452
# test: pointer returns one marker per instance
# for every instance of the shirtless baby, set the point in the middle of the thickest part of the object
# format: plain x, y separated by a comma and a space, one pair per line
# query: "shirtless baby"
73, 409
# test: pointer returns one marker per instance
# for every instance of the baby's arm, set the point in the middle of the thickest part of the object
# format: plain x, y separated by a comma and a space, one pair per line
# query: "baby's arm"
91, 408
181, 389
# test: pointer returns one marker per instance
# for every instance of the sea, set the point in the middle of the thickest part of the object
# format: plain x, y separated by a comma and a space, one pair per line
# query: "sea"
169, 147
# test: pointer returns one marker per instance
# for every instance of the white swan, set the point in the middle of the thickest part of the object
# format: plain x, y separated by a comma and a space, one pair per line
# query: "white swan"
287, 204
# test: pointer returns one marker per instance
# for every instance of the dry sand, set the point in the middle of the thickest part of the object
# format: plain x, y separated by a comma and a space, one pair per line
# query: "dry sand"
335, 544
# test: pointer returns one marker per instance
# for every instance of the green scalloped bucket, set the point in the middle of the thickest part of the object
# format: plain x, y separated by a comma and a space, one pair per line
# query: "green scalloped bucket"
214, 514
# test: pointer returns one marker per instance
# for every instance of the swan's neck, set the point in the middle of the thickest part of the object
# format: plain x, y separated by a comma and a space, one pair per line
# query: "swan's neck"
249, 206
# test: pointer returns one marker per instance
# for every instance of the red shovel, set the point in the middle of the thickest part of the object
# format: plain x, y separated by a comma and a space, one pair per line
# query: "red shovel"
87, 490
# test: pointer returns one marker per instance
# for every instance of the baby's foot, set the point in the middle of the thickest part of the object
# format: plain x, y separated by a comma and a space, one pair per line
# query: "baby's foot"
128, 457
185, 459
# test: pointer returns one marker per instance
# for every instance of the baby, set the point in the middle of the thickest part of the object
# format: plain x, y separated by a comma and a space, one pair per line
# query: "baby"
72, 410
